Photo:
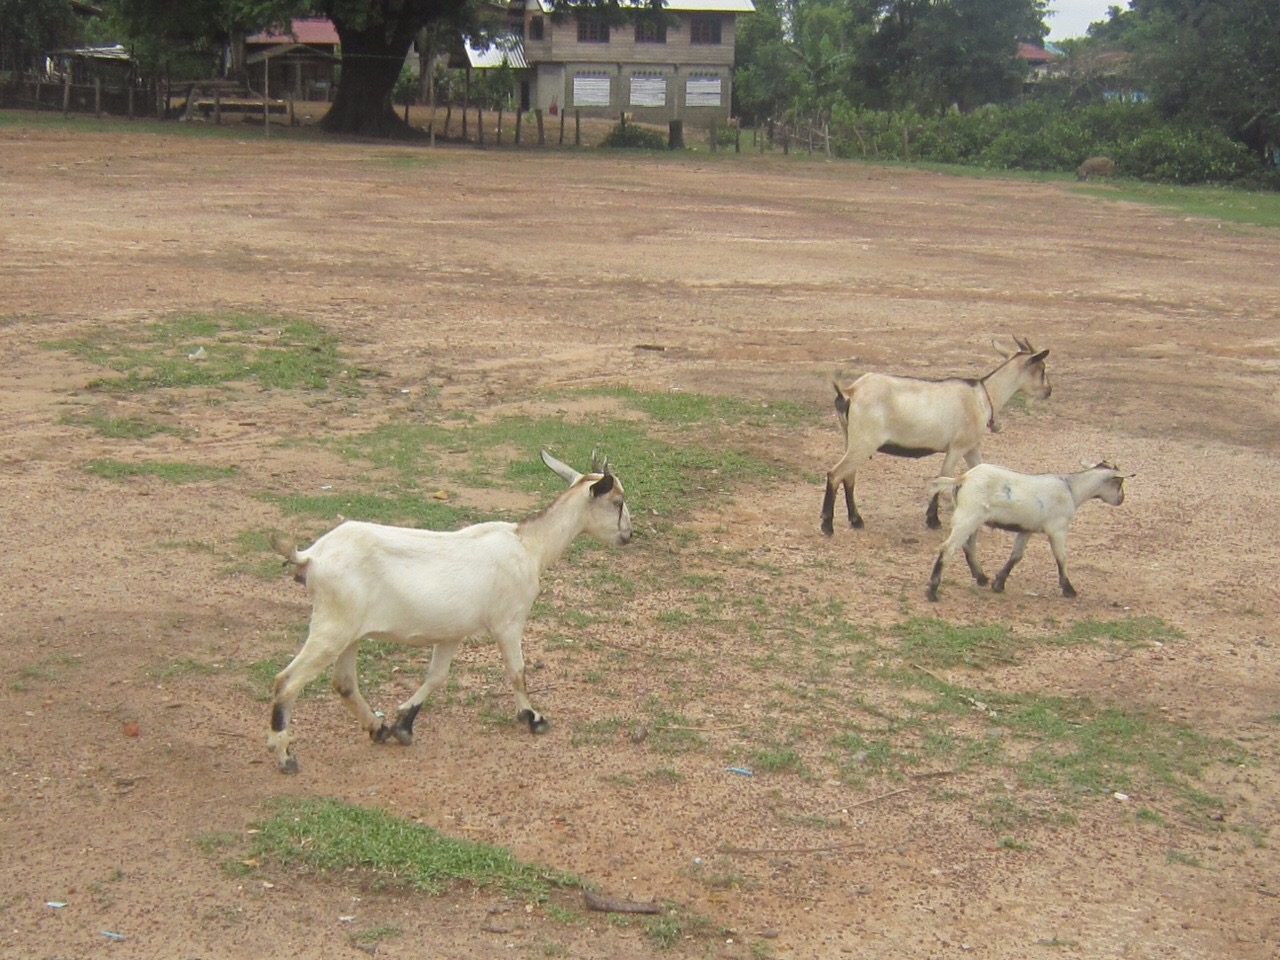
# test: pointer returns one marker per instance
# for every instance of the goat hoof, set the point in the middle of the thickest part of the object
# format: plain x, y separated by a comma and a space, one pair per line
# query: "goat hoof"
933, 523
828, 529
982, 581
380, 735
932, 594
1069, 592
288, 765
536, 721
998, 586
403, 735
856, 523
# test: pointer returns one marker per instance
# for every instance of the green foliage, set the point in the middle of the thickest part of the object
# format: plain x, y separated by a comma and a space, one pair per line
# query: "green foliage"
1168, 154
631, 136
1047, 136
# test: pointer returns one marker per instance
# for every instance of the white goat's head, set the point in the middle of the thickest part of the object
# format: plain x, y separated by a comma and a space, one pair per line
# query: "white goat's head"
1110, 482
1033, 378
608, 519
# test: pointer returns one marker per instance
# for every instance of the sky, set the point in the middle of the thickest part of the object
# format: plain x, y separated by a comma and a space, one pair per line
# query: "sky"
1071, 18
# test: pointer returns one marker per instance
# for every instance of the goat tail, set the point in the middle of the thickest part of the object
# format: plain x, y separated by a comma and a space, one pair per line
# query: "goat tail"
842, 403
948, 485
287, 547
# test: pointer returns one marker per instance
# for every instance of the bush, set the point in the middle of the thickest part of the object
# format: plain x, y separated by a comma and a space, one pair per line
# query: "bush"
628, 136
1167, 154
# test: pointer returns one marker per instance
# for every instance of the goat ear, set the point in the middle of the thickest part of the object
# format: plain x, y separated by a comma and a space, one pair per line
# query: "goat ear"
602, 486
1038, 357
561, 470
1003, 351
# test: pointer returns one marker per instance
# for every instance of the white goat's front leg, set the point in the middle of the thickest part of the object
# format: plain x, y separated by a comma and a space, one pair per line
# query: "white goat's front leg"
509, 643
322, 648
1058, 542
437, 673
1019, 546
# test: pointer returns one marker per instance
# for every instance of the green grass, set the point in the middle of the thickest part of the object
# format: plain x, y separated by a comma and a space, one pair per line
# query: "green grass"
212, 350
121, 428
169, 472
329, 836
1217, 203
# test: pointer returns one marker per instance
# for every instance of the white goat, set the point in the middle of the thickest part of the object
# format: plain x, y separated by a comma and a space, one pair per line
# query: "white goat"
432, 588
910, 417
1022, 504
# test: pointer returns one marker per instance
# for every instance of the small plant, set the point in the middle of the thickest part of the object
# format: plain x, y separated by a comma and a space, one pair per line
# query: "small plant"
630, 136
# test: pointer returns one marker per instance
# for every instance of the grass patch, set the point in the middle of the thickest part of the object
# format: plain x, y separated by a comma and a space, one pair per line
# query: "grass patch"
936, 643
168, 471
1217, 203
121, 428
205, 350
327, 835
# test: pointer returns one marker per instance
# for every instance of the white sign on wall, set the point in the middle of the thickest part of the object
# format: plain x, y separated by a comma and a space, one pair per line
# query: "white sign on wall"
648, 92
702, 92
591, 90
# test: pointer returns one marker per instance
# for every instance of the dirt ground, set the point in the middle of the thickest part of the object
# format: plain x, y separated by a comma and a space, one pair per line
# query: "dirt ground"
478, 280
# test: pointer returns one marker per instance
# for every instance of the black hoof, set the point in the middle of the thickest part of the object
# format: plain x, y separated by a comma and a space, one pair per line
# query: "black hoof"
828, 529
932, 594
982, 581
381, 734
998, 586
288, 765
856, 523
536, 721
1069, 592
933, 523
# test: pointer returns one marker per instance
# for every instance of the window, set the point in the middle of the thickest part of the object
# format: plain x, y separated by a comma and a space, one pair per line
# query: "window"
651, 31
535, 28
704, 30
593, 31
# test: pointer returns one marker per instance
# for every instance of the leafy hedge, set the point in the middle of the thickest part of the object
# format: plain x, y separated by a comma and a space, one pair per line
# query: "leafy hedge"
1047, 136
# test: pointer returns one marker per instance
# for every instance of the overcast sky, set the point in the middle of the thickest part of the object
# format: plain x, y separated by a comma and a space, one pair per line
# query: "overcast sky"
1071, 18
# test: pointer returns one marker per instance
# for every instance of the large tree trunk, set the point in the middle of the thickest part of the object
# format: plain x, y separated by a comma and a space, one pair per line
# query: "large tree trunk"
372, 57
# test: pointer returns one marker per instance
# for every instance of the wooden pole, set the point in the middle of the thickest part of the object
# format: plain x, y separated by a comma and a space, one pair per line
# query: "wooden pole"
519, 119
266, 97
66, 94
97, 97
542, 134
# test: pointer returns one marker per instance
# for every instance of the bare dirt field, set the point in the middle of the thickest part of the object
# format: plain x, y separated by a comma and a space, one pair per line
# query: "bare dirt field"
463, 286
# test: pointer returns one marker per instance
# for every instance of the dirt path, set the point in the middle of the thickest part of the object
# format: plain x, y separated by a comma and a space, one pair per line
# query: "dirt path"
474, 281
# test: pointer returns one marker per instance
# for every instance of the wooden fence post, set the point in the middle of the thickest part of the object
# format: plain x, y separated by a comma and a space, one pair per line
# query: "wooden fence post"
542, 138
66, 96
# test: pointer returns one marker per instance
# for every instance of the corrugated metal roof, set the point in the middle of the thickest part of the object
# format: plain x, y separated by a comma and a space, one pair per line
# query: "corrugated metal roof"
509, 49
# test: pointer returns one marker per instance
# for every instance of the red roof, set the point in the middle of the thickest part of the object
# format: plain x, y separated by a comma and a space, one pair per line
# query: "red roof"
1035, 54
317, 30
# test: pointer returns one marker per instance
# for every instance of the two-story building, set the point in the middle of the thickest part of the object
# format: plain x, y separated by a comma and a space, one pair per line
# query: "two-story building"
676, 64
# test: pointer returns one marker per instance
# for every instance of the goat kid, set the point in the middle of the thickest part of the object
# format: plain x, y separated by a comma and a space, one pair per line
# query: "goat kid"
911, 417
433, 588
1022, 504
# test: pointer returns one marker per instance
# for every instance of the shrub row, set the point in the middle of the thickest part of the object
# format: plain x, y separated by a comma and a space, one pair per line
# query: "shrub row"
1046, 136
